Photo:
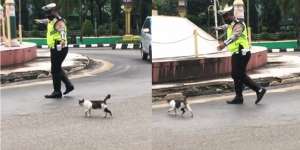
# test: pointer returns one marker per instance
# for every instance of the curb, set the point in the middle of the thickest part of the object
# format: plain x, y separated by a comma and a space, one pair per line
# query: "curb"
217, 87
126, 46
79, 45
114, 46
282, 50
138, 46
39, 74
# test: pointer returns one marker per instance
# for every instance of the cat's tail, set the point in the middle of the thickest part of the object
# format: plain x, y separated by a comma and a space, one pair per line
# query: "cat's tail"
106, 98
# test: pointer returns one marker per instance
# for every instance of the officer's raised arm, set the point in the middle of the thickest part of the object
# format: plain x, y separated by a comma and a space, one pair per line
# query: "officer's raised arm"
222, 27
61, 28
41, 21
238, 30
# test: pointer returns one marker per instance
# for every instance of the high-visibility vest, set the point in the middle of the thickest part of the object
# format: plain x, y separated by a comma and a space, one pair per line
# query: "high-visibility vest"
242, 40
52, 34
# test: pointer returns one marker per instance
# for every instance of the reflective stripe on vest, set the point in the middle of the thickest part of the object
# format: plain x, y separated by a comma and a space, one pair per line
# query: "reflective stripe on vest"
242, 40
52, 34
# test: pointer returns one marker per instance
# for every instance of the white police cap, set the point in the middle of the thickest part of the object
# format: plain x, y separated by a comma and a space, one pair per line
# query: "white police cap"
225, 10
49, 7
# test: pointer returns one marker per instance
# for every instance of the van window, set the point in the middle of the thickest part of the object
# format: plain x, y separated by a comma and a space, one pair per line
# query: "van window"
147, 24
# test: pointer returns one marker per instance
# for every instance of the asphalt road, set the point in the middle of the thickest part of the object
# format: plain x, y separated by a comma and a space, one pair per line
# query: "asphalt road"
272, 125
30, 122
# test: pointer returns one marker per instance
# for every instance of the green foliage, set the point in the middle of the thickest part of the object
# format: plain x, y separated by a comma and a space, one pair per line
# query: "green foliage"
116, 10
110, 29
104, 29
105, 12
275, 36
271, 9
167, 7
35, 33
195, 19
141, 10
115, 29
87, 28
197, 12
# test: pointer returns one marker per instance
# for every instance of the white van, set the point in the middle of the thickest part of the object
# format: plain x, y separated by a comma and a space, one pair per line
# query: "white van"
146, 38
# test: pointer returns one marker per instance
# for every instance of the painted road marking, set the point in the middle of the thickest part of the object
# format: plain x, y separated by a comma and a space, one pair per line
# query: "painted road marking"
119, 46
275, 50
94, 45
130, 46
44, 46
106, 45
82, 46
290, 50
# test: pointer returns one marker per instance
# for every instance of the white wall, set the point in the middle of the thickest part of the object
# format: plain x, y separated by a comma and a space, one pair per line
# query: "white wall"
173, 37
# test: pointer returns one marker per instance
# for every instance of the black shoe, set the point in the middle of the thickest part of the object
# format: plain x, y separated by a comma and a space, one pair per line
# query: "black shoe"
260, 94
236, 100
69, 89
54, 95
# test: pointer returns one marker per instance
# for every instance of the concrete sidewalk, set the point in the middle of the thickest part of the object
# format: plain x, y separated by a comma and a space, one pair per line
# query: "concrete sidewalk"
280, 69
40, 67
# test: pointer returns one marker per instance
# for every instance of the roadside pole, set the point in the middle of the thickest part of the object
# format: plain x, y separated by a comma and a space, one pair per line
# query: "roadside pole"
20, 23
216, 18
11, 23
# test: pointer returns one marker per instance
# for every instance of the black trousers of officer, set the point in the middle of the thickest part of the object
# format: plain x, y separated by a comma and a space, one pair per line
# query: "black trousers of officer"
239, 68
58, 74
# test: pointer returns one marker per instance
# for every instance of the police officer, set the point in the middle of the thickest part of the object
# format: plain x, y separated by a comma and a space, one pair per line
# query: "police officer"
57, 42
237, 43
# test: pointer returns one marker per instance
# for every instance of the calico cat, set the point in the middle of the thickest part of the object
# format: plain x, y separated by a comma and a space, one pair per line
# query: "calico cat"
182, 105
95, 104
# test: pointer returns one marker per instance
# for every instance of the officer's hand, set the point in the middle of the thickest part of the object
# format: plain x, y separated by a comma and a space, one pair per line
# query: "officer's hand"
63, 44
37, 21
221, 46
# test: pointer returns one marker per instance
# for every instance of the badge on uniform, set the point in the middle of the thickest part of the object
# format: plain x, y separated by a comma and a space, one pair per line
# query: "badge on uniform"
58, 47
244, 52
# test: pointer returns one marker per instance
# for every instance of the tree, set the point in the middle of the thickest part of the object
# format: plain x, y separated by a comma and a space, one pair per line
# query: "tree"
167, 7
87, 28
270, 10
197, 12
224, 2
142, 9
116, 16
106, 14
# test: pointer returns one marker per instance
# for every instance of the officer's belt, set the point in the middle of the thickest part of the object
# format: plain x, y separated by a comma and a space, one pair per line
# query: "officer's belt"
243, 51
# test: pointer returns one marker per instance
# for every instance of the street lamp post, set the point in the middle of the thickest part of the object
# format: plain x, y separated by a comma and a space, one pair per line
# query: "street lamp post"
154, 8
182, 8
297, 17
297, 30
20, 23
248, 13
248, 21
216, 18
11, 23
80, 20
2, 25
127, 10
